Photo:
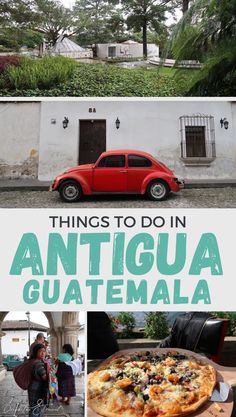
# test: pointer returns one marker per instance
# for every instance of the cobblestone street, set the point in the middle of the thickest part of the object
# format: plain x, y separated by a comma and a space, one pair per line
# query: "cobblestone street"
14, 401
224, 197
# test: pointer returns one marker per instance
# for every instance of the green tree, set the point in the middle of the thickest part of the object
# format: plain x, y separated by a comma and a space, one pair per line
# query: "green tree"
127, 320
185, 5
15, 38
156, 325
48, 17
53, 19
160, 38
231, 316
207, 31
17, 13
93, 19
116, 26
144, 15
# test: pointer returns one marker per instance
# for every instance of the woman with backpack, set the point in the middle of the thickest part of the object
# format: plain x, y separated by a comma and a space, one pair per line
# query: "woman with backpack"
38, 386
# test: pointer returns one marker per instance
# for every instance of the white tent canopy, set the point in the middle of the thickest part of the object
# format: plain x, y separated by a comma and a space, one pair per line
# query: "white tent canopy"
66, 47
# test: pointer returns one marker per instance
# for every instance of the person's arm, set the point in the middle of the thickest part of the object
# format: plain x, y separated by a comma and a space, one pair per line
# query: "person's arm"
41, 371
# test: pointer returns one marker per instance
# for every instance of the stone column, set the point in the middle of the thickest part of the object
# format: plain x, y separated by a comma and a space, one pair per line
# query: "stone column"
54, 343
2, 368
1, 334
70, 328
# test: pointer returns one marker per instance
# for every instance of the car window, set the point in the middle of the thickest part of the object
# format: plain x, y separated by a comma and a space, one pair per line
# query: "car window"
138, 161
112, 161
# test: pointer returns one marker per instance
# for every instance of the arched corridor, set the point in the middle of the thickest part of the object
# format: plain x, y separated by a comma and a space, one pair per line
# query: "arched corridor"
63, 328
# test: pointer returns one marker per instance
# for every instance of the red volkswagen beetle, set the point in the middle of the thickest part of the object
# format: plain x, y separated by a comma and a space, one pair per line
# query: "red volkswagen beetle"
118, 171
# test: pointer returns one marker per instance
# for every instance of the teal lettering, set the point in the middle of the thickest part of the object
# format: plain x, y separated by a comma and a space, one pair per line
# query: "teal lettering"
55, 294
31, 292
27, 256
160, 293
94, 240
94, 283
207, 255
178, 299
201, 293
118, 254
162, 254
66, 253
73, 293
136, 293
146, 259
112, 291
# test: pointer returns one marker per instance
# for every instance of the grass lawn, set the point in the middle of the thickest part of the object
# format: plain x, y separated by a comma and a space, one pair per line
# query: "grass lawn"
107, 81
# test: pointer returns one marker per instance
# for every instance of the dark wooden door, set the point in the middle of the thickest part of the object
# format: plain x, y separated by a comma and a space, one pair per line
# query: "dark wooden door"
92, 140
195, 141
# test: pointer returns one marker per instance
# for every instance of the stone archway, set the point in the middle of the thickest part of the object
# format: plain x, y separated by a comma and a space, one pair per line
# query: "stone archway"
63, 328
70, 328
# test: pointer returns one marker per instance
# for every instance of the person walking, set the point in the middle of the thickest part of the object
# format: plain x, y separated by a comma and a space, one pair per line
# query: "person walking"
38, 386
40, 340
65, 377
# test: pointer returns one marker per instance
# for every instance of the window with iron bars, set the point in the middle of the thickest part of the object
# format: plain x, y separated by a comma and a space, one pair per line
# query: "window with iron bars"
197, 138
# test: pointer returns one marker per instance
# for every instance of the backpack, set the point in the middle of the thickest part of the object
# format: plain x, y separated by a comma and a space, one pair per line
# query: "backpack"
22, 373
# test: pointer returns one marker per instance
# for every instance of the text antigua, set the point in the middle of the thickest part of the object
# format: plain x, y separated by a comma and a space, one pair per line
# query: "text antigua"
120, 256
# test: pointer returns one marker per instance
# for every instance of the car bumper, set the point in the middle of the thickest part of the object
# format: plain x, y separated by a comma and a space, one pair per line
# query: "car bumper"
177, 184
54, 185
180, 183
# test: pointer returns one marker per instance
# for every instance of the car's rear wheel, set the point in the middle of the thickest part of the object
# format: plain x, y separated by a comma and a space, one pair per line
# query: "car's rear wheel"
70, 191
7, 367
158, 190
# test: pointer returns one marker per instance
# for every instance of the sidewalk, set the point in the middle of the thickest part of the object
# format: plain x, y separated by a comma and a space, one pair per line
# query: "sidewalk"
36, 185
14, 401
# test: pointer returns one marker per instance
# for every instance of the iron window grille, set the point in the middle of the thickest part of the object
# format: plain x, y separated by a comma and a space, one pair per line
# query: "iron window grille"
197, 138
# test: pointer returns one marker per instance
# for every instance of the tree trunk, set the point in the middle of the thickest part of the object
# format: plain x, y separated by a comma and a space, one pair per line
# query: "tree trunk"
145, 40
185, 5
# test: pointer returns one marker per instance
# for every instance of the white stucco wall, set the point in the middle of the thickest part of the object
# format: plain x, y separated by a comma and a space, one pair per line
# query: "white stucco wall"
152, 126
134, 50
19, 139
17, 347
75, 55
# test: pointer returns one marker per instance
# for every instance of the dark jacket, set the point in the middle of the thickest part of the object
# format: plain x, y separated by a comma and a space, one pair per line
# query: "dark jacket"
101, 340
186, 331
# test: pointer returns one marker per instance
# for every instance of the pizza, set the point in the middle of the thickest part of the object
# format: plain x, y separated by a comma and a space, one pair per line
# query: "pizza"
150, 384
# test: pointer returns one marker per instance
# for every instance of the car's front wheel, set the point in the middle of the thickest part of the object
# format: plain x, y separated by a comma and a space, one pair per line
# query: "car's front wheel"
70, 191
158, 190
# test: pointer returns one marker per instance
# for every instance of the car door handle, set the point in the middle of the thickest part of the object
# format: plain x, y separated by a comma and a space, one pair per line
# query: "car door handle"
123, 171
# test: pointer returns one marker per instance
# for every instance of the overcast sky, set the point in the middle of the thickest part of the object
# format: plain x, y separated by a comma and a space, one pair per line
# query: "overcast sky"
68, 3
36, 316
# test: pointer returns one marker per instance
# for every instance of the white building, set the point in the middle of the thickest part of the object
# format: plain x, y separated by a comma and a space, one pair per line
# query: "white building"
127, 49
190, 136
64, 327
15, 340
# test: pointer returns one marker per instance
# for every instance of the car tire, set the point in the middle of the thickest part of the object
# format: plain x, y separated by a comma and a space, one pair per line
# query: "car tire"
70, 191
158, 190
7, 367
